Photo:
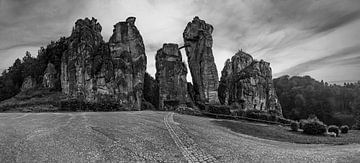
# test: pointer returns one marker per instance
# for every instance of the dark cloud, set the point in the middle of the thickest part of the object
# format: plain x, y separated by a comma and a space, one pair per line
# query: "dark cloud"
345, 57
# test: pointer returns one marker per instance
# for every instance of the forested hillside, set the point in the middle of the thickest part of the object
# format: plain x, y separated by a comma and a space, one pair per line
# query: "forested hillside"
12, 78
303, 96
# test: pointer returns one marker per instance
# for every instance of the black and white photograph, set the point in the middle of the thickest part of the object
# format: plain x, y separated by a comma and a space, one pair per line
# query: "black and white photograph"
198, 81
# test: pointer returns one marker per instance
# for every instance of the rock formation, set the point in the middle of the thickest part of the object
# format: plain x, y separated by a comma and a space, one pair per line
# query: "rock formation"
50, 76
198, 47
248, 84
127, 51
29, 83
171, 77
97, 71
76, 66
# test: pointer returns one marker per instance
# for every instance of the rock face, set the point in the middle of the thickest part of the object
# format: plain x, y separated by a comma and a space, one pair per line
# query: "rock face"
171, 77
50, 76
97, 71
127, 52
28, 83
248, 84
198, 47
76, 66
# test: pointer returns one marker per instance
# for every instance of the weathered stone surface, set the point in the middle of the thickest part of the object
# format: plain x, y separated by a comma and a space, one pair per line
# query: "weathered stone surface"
28, 83
76, 66
97, 71
198, 47
248, 84
50, 76
171, 77
127, 51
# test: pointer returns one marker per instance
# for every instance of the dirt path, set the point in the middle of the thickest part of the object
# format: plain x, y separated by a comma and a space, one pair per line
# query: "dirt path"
190, 150
145, 136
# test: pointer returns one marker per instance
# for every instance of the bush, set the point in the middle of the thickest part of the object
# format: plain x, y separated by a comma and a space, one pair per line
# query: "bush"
294, 126
284, 120
238, 113
344, 129
145, 105
187, 110
302, 123
219, 109
264, 116
314, 127
274, 118
255, 114
335, 129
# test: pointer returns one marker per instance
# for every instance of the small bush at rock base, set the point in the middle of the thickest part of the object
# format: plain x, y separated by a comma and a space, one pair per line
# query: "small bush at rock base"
344, 129
294, 126
335, 129
314, 127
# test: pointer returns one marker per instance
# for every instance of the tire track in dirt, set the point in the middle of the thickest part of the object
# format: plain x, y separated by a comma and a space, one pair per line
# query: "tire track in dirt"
190, 150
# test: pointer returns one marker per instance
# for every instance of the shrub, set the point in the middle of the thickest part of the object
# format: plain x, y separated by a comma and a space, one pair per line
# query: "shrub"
264, 116
335, 129
294, 126
255, 114
145, 105
274, 118
314, 127
344, 129
187, 110
219, 109
284, 120
238, 113
302, 123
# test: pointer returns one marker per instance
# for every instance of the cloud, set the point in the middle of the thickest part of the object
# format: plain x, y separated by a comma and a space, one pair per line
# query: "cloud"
271, 30
26, 22
345, 57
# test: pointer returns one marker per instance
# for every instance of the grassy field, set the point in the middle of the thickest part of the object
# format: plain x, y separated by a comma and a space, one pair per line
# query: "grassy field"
281, 133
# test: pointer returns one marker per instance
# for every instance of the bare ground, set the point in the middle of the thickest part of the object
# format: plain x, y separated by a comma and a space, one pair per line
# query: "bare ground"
146, 136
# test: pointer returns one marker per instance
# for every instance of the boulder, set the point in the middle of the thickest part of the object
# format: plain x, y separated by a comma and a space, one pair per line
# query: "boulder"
247, 84
50, 76
171, 77
198, 46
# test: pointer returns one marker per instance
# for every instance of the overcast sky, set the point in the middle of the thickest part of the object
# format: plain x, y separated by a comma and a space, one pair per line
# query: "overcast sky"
320, 38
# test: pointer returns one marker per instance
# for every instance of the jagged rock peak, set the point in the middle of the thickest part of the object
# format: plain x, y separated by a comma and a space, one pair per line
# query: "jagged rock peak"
87, 23
131, 20
198, 29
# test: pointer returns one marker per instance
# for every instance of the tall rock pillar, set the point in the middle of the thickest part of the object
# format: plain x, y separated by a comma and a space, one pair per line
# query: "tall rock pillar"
171, 77
76, 63
127, 51
198, 47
